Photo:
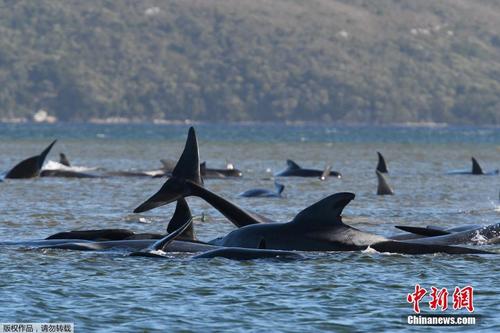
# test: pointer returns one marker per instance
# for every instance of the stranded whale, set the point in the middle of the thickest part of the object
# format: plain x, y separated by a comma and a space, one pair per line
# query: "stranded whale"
264, 193
476, 170
294, 170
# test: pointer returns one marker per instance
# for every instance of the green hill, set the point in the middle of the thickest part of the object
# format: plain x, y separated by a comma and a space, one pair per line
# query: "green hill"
381, 61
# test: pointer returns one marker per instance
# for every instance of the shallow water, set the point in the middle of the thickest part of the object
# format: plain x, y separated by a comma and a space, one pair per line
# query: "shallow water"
327, 291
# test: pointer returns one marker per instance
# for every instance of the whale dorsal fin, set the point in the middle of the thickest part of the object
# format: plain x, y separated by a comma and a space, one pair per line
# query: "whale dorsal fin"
383, 187
292, 165
181, 215
476, 168
162, 243
30, 167
279, 187
324, 213
381, 166
64, 160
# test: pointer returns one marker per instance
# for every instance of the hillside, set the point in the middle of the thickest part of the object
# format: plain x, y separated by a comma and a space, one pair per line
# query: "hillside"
362, 61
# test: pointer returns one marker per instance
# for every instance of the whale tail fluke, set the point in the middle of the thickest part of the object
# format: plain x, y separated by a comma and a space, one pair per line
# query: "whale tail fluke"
30, 167
476, 168
383, 187
381, 166
186, 170
182, 214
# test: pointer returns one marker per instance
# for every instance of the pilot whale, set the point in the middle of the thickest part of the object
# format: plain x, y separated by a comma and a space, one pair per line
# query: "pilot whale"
294, 170
264, 193
317, 228
181, 214
30, 167
476, 170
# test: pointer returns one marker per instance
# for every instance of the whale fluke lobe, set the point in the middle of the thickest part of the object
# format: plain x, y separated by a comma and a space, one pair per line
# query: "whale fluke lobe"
383, 187
163, 243
64, 160
381, 166
188, 166
324, 212
186, 169
476, 168
182, 214
30, 167
279, 188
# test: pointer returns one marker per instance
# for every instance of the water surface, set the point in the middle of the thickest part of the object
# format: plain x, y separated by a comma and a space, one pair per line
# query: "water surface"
329, 291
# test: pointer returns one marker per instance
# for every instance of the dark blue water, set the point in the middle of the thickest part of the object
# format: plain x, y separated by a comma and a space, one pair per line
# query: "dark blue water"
109, 292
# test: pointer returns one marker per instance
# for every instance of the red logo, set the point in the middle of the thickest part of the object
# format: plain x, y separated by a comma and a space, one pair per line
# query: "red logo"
463, 298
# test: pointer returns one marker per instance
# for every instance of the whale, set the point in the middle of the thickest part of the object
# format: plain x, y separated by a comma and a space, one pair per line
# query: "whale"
264, 193
489, 234
158, 250
316, 228
383, 188
294, 170
30, 167
181, 214
320, 228
381, 165
238, 253
126, 240
230, 171
207, 173
476, 170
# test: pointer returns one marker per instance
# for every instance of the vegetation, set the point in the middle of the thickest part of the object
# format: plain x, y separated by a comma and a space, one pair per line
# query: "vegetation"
367, 61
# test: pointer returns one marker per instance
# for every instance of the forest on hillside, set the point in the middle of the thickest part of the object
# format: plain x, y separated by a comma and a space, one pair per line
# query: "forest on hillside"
360, 61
